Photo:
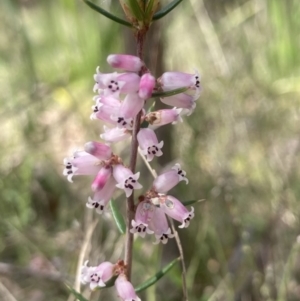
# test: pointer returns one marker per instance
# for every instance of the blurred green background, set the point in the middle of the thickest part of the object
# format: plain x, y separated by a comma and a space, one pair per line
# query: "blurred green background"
240, 148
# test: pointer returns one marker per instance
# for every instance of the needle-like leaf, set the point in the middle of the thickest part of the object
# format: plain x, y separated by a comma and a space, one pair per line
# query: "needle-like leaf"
169, 93
107, 14
157, 276
117, 216
164, 11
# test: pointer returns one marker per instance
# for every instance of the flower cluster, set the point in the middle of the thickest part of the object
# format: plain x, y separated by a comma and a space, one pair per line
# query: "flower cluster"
120, 98
150, 216
107, 273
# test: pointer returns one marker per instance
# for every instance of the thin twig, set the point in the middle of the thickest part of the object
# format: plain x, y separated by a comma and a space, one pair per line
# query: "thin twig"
85, 244
179, 246
177, 238
152, 171
6, 293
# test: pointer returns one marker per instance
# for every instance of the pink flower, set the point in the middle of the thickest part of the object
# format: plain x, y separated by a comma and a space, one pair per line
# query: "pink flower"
114, 134
175, 209
143, 216
101, 178
149, 144
159, 225
131, 106
82, 163
116, 83
147, 85
98, 150
166, 181
102, 197
182, 100
105, 112
174, 80
126, 179
125, 289
162, 117
97, 276
125, 62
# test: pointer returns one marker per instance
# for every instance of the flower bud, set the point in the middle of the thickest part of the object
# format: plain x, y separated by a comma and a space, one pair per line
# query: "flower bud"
126, 62
99, 150
147, 85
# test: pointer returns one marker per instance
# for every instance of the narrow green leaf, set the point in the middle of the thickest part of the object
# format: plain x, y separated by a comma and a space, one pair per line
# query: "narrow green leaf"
149, 7
76, 294
169, 93
191, 202
152, 107
157, 276
164, 11
106, 13
117, 216
136, 9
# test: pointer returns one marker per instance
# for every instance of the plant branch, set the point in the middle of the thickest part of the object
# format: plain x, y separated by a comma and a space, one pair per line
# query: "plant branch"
140, 38
179, 246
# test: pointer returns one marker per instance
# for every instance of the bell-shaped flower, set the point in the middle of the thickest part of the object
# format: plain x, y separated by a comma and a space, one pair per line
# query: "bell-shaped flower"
97, 276
149, 144
82, 163
126, 179
103, 196
143, 216
114, 134
166, 181
125, 62
98, 150
174, 80
105, 112
131, 106
116, 83
147, 85
107, 100
163, 117
182, 100
101, 178
122, 122
159, 225
125, 289
176, 210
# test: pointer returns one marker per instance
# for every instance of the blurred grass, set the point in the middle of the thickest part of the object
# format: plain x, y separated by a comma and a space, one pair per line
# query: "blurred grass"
240, 147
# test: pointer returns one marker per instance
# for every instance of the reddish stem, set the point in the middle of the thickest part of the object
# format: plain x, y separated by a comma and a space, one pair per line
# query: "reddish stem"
140, 37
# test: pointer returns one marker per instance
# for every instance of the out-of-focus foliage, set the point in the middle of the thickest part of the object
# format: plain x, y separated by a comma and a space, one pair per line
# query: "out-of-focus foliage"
240, 149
